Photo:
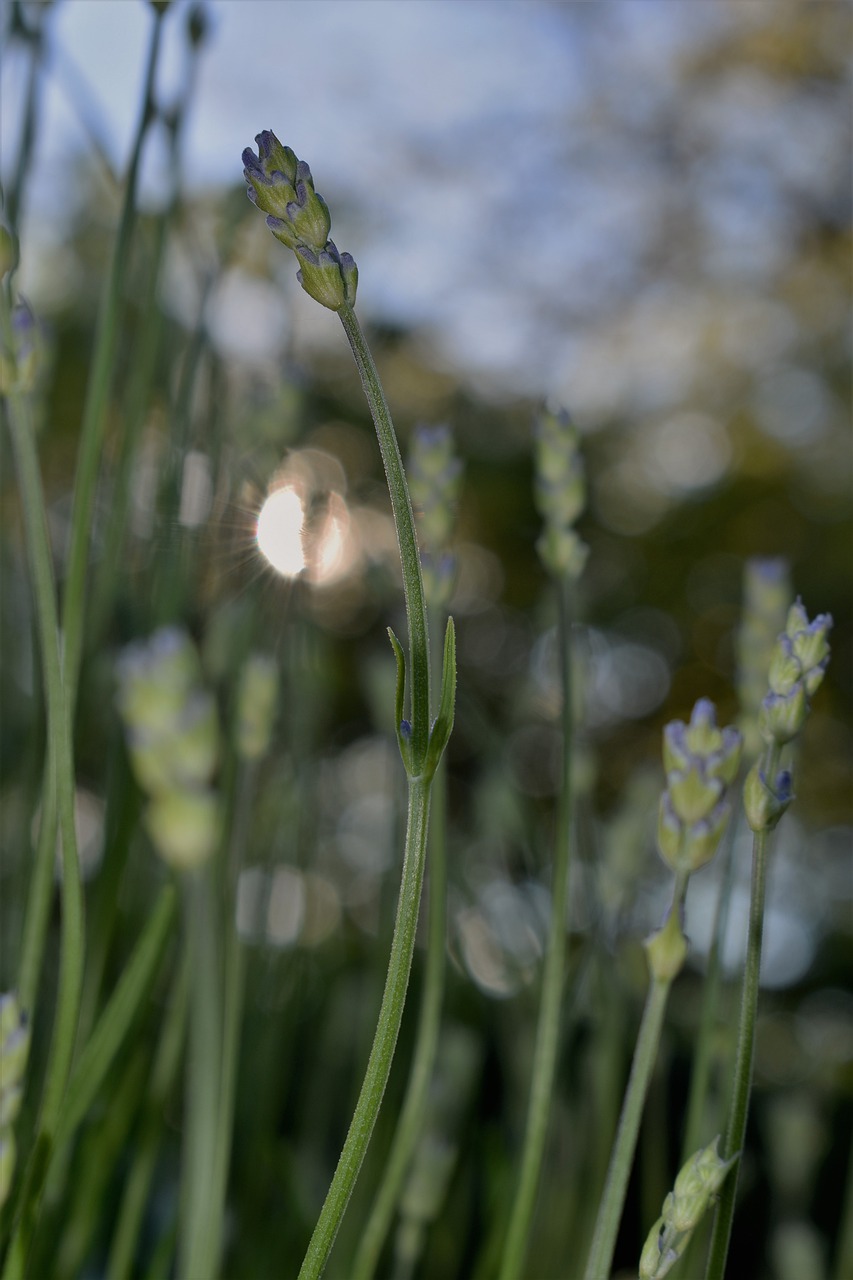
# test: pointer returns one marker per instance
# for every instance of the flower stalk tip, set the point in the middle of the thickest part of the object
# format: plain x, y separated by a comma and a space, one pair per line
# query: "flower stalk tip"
701, 762
282, 187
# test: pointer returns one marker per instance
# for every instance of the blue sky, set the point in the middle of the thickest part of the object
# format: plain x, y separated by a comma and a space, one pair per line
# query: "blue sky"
504, 171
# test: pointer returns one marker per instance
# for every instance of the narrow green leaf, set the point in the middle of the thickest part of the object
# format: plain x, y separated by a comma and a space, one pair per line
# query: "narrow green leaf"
116, 1019
401, 726
443, 727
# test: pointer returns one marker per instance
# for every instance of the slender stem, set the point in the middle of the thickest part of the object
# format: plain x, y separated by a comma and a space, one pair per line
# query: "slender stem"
406, 537
385, 1039
40, 893
111, 1030
410, 1120
72, 936
553, 982
742, 1086
97, 392
234, 975
202, 1077
702, 1056
610, 1209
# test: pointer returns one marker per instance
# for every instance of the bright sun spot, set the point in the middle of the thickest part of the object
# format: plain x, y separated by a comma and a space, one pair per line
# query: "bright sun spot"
279, 531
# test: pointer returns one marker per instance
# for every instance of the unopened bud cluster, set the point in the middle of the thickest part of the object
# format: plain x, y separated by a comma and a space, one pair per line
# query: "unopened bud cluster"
435, 478
172, 733
695, 1187
14, 1050
701, 762
766, 599
560, 494
257, 696
282, 187
797, 665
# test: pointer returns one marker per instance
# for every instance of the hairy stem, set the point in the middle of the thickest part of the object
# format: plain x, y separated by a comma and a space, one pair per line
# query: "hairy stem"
410, 1121
413, 589
385, 1039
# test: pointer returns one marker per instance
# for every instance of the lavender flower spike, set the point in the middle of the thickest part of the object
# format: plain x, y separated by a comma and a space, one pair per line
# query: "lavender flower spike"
282, 187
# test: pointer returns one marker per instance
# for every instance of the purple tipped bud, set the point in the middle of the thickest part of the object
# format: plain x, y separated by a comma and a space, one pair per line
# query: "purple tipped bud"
763, 804
783, 715
282, 187
811, 646
321, 275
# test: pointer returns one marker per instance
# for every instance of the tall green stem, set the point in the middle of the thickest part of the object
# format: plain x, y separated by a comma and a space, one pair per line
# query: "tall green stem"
203, 1075
422, 744
385, 1039
553, 982
404, 520
702, 1057
610, 1209
410, 1120
739, 1110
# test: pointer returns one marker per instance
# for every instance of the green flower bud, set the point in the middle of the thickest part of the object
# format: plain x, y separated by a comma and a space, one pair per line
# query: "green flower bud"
283, 188
184, 827
562, 552
693, 794
797, 667
810, 643
783, 715
763, 804
785, 668
700, 744
695, 1186
560, 493
256, 703
697, 1182
656, 1258
702, 838
183, 754
329, 277
667, 950
155, 679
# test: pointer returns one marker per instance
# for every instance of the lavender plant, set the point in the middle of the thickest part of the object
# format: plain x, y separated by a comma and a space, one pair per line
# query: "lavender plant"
283, 188
701, 761
797, 667
560, 495
88, 1070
